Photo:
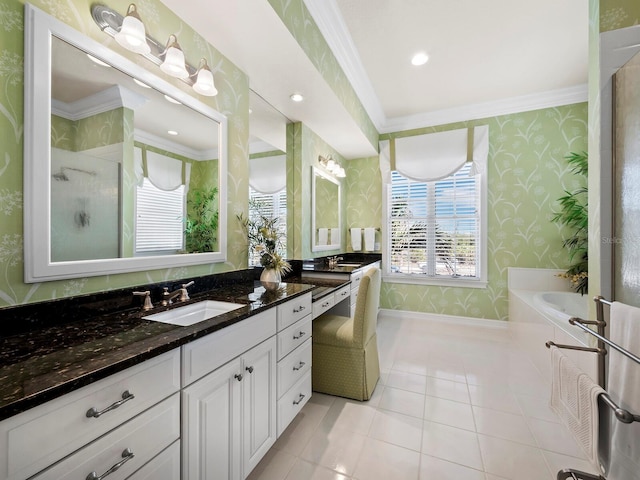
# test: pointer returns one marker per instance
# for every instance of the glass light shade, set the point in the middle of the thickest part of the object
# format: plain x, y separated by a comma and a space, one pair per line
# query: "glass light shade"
174, 60
204, 81
341, 173
132, 35
331, 164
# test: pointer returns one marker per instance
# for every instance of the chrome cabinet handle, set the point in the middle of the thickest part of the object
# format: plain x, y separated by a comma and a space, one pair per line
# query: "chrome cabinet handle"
126, 396
299, 309
300, 365
300, 335
343, 294
300, 398
238, 376
127, 455
249, 369
326, 304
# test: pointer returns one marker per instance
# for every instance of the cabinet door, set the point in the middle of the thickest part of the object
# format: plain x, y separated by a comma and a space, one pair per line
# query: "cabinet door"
259, 399
211, 410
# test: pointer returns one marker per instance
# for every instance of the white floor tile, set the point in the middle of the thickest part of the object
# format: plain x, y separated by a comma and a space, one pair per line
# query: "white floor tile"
275, 465
557, 462
448, 412
407, 381
309, 471
494, 398
432, 468
398, 429
537, 406
383, 461
402, 401
335, 448
447, 389
513, 460
350, 415
503, 425
451, 444
555, 438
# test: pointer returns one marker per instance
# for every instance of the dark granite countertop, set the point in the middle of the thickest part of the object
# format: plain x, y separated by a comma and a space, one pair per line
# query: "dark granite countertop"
40, 364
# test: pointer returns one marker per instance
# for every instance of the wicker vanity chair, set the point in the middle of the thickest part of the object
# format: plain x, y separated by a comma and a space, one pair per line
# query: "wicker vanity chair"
345, 350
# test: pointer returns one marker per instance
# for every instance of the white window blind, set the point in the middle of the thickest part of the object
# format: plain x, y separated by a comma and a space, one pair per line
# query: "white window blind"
159, 219
271, 206
434, 227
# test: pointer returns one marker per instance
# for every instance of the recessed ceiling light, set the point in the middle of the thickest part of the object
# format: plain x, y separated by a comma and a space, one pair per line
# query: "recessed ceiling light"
172, 100
98, 61
141, 83
172, 132
297, 97
419, 58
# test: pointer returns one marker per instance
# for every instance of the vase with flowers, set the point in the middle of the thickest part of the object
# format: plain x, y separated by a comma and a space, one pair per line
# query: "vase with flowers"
265, 242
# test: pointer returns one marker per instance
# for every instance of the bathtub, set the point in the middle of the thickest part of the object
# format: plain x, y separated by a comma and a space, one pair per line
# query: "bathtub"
559, 307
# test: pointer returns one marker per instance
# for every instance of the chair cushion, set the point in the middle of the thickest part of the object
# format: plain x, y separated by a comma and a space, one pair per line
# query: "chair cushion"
333, 330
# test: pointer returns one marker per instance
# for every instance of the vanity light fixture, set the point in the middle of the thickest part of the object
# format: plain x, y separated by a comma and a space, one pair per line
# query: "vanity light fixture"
331, 166
204, 80
132, 35
169, 58
174, 63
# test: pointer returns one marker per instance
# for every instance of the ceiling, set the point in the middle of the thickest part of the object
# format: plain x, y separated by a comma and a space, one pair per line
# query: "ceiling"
486, 58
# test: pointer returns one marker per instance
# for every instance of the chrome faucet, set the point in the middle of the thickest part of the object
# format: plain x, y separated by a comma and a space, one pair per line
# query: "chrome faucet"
147, 305
333, 261
181, 294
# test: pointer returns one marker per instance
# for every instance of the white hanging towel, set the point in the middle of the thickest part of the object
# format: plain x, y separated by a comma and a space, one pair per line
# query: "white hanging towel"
334, 235
574, 398
356, 239
369, 239
623, 386
323, 236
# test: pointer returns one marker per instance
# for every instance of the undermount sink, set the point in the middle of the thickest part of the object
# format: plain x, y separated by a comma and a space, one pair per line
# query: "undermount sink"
194, 312
346, 264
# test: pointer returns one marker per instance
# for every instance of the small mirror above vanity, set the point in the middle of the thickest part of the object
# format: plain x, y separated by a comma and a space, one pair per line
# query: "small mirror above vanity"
326, 221
110, 145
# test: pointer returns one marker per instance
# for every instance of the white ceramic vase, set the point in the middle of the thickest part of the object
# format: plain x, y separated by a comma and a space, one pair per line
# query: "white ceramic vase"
270, 278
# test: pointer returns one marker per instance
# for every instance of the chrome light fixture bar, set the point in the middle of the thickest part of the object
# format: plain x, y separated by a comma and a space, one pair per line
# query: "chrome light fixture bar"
201, 78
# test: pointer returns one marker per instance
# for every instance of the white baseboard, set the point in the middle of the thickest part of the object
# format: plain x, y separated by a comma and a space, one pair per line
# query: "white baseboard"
437, 317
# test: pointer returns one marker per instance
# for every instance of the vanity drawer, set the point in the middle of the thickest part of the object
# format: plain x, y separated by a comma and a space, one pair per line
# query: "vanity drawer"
292, 402
356, 277
292, 336
145, 436
166, 466
293, 310
35, 439
293, 367
322, 305
208, 353
342, 294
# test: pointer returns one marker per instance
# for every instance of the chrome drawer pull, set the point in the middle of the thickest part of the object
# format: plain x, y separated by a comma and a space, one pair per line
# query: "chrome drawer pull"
238, 376
126, 396
300, 365
249, 369
299, 309
300, 398
300, 335
326, 304
344, 294
127, 455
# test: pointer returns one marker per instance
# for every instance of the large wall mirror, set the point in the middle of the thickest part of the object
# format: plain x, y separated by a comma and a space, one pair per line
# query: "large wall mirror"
326, 226
118, 162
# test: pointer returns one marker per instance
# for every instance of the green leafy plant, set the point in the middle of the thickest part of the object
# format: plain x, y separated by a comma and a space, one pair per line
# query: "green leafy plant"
574, 216
201, 225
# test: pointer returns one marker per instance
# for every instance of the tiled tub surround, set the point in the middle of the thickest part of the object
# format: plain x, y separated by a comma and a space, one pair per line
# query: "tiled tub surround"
530, 327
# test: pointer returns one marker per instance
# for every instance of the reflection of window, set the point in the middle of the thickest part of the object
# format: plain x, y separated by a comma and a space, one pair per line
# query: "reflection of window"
159, 214
434, 228
269, 205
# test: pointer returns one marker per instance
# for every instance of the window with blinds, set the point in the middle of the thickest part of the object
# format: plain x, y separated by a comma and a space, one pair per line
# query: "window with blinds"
159, 219
434, 227
270, 205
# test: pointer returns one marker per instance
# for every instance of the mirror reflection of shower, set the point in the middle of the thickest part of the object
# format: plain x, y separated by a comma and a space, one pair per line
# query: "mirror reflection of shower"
62, 177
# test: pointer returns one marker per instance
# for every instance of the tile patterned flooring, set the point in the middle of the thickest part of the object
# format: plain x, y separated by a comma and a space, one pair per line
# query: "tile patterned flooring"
453, 402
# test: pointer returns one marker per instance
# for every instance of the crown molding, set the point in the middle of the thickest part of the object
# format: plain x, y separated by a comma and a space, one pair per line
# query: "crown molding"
174, 147
328, 18
524, 103
106, 100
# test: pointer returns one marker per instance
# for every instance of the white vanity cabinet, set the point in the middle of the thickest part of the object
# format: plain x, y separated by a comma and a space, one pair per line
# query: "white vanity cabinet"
39, 437
294, 358
229, 414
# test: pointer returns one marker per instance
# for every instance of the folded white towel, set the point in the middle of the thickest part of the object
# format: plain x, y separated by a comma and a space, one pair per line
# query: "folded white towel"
623, 386
369, 239
356, 239
334, 235
574, 398
323, 236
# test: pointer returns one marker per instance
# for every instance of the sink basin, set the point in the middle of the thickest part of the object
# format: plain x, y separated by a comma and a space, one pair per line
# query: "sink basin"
346, 264
193, 313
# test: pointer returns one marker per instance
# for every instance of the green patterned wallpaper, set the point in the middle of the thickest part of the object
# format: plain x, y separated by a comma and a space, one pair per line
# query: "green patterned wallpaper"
300, 23
527, 173
233, 101
615, 14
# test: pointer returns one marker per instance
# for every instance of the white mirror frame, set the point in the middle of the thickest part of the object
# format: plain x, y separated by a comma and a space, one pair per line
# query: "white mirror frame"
316, 172
39, 28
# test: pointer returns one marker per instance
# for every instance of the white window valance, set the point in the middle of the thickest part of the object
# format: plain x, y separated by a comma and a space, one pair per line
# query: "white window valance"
268, 174
163, 172
435, 156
